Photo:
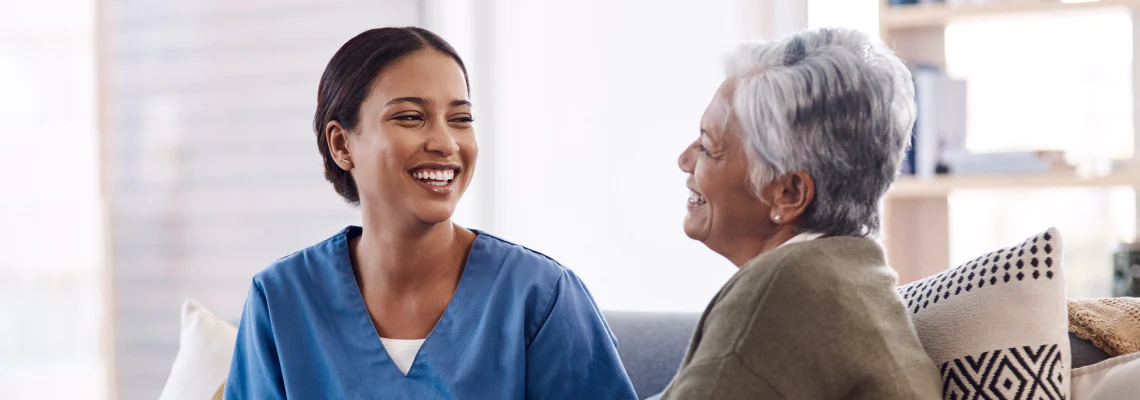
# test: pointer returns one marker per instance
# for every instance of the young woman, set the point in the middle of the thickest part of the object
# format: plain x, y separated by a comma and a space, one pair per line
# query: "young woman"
411, 305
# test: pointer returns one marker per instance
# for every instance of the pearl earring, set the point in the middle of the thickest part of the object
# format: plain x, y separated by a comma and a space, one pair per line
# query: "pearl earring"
776, 218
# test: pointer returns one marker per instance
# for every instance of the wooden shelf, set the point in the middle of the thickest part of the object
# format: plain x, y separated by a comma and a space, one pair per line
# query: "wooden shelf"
916, 188
916, 215
938, 15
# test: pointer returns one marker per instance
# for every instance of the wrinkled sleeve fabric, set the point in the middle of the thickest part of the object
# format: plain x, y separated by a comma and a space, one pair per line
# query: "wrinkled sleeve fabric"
255, 371
815, 321
574, 354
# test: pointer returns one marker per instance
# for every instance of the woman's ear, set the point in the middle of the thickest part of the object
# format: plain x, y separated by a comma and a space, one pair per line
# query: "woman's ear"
791, 194
337, 138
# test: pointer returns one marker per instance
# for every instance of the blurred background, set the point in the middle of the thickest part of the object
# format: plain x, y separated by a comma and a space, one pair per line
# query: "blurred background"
154, 151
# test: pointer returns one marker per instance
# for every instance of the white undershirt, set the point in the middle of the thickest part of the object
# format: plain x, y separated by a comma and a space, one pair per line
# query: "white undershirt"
402, 351
803, 237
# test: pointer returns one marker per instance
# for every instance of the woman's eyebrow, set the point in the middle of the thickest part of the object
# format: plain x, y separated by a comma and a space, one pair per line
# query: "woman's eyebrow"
416, 100
424, 102
708, 133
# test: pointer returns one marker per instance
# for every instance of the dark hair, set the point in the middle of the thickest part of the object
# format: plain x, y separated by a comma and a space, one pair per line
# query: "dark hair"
347, 81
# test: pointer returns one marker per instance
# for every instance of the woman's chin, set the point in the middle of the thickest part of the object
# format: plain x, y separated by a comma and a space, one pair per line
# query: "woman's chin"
434, 215
695, 229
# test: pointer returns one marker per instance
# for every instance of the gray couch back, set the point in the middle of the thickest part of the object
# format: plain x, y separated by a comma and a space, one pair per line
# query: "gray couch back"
651, 346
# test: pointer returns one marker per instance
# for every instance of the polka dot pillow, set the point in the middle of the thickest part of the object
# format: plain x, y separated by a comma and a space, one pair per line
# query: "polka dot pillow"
997, 326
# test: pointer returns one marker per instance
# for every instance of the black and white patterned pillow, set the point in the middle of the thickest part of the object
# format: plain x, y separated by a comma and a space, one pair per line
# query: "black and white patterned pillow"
997, 326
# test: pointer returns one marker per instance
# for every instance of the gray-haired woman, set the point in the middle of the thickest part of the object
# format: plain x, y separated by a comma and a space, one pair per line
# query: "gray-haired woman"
795, 152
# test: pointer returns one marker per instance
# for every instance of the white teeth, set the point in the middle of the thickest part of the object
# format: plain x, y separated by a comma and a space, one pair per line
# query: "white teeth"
695, 198
434, 175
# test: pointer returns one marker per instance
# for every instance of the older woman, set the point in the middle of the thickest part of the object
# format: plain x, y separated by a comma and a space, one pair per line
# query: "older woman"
795, 152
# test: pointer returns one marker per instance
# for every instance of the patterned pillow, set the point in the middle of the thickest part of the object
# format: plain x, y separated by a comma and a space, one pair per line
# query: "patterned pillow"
997, 326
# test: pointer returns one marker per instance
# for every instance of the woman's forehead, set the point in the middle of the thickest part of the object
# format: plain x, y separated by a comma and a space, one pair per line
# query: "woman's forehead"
425, 74
717, 114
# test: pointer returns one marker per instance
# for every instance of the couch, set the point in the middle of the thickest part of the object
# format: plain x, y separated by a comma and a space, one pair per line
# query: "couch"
651, 346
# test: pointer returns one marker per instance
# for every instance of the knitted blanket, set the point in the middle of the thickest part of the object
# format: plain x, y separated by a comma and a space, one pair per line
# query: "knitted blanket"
1112, 324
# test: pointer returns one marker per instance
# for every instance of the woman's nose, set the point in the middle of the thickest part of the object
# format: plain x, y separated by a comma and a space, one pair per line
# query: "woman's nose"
685, 161
442, 142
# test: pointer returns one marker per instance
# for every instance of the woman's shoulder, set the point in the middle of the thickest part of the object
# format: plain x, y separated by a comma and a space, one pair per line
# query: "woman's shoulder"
828, 263
823, 282
301, 266
518, 259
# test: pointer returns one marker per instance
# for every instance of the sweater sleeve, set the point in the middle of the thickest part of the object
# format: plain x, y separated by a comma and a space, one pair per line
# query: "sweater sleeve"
808, 323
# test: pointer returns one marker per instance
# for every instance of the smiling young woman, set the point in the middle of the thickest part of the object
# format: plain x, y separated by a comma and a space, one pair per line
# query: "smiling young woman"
412, 305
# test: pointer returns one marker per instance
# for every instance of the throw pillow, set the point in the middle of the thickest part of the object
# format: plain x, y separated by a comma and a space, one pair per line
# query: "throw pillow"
997, 326
205, 347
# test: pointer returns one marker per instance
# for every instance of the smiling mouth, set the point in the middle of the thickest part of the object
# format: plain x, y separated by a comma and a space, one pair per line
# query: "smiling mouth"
695, 199
434, 176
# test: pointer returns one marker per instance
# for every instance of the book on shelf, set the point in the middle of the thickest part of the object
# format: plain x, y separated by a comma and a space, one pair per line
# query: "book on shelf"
938, 142
947, 2
940, 128
897, 3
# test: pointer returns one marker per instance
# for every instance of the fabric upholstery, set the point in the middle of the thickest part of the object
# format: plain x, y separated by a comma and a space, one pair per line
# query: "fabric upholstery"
205, 347
997, 326
651, 346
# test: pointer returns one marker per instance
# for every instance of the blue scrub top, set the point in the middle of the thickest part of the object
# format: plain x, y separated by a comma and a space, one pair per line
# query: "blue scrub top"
520, 326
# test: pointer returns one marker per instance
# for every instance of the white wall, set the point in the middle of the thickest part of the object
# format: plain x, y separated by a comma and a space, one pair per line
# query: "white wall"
858, 14
213, 169
51, 215
582, 109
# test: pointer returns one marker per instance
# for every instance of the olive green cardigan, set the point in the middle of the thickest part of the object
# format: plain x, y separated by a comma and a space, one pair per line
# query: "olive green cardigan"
811, 320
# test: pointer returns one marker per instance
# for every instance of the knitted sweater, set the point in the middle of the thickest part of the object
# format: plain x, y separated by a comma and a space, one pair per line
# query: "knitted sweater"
812, 320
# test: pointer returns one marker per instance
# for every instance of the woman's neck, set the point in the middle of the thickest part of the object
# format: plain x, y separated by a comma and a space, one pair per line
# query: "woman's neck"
395, 258
745, 249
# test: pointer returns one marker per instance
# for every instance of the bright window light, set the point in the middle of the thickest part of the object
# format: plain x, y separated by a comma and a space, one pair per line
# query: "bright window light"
858, 14
1055, 81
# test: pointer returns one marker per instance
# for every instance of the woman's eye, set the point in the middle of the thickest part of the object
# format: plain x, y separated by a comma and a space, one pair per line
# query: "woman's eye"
408, 117
463, 120
704, 150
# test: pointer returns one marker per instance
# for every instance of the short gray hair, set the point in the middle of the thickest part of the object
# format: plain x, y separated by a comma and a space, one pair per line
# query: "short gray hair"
833, 103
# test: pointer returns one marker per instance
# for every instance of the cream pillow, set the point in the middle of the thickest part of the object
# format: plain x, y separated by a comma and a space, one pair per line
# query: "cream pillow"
204, 351
997, 326
1114, 378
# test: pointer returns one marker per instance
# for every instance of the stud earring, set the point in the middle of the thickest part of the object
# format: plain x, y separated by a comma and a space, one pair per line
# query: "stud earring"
776, 218
346, 161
